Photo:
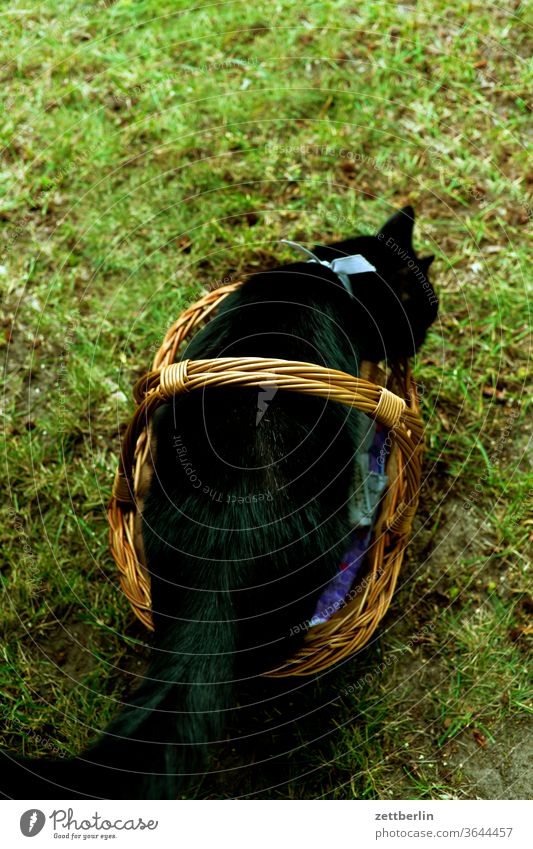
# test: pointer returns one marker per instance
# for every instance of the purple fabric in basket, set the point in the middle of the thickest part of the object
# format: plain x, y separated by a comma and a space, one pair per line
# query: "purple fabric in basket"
333, 597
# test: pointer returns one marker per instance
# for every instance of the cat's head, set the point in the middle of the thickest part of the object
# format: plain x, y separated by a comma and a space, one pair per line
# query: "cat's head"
385, 318
396, 304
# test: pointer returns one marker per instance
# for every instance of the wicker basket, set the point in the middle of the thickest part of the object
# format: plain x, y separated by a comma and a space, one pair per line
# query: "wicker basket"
391, 401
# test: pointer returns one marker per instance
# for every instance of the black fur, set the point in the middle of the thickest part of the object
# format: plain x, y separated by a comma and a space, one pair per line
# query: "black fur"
240, 547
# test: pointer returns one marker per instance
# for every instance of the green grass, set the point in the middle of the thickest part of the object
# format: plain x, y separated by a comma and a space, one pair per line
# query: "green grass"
149, 151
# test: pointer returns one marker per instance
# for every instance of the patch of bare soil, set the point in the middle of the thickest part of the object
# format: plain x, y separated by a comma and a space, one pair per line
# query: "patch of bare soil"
473, 764
501, 768
75, 649
69, 647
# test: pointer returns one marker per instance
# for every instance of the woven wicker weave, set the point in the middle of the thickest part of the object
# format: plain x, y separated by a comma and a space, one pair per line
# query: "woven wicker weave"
395, 406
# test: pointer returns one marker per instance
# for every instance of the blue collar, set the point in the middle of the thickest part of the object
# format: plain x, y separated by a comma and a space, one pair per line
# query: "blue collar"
342, 267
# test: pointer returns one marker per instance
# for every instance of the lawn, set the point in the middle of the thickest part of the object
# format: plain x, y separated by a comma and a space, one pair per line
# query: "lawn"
151, 150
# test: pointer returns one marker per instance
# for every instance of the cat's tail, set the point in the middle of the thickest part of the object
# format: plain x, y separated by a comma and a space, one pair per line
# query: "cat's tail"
159, 741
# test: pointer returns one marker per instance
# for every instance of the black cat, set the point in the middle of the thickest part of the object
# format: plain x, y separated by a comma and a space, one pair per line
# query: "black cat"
246, 518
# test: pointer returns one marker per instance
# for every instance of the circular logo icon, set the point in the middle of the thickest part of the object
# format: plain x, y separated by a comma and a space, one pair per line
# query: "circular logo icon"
32, 822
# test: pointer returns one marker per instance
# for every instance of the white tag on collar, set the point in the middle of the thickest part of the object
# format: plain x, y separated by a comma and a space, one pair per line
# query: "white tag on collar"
355, 264
342, 266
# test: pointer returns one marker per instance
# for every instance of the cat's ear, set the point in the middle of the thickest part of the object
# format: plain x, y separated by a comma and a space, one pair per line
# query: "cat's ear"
425, 261
400, 227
